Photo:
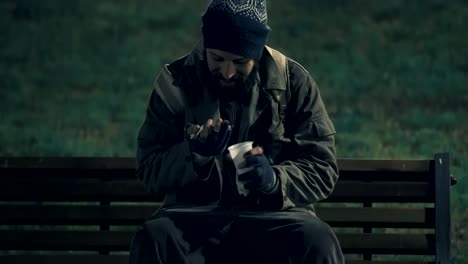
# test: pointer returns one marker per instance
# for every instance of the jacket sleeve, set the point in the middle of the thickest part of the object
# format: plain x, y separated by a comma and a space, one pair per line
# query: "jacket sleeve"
309, 169
164, 161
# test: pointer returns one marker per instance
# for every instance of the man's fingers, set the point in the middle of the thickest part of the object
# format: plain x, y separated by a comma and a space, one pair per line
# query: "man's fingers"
253, 152
257, 151
218, 124
206, 129
209, 122
193, 129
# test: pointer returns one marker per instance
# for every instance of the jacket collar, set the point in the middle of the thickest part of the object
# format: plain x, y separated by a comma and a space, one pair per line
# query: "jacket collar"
273, 78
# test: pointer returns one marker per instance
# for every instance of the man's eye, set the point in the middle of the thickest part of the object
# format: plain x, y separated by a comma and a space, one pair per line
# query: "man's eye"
240, 62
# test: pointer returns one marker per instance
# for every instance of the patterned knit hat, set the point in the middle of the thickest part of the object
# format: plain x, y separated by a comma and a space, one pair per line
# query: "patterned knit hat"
236, 26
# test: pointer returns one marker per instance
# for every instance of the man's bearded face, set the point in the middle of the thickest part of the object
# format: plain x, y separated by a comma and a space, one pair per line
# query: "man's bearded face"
228, 70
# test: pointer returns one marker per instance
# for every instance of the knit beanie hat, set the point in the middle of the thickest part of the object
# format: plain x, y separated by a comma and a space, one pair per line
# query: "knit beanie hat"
236, 26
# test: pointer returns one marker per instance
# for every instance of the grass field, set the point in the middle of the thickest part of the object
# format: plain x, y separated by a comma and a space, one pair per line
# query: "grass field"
75, 76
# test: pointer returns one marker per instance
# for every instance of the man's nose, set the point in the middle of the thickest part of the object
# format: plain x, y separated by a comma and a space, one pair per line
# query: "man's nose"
228, 70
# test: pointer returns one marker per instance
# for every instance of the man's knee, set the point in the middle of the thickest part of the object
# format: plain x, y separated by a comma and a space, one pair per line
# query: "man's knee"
141, 248
160, 229
157, 239
320, 242
316, 231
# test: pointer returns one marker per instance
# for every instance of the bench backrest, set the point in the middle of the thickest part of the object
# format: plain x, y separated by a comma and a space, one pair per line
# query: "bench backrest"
85, 210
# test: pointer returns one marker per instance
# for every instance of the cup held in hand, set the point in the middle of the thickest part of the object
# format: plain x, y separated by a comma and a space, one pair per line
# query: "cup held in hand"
237, 152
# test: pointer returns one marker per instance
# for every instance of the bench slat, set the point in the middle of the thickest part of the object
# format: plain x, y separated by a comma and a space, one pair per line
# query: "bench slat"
355, 191
377, 217
120, 240
75, 214
386, 262
135, 214
130, 163
73, 190
68, 173
388, 175
123, 259
65, 240
365, 174
61, 259
67, 162
133, 190
420, 244
384, 165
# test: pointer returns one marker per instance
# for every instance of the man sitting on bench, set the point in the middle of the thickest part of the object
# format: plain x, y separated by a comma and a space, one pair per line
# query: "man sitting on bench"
253, 206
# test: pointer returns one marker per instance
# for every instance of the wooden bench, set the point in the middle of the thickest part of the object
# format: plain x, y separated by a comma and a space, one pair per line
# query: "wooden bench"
85, 210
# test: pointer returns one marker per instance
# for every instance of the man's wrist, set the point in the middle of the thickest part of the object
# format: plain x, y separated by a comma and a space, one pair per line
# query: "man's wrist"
276, 184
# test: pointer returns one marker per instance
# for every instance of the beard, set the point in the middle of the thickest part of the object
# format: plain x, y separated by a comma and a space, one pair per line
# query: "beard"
238, 88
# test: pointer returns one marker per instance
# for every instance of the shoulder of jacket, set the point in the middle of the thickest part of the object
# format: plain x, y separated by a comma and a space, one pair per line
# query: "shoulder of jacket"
299, 75
296, 67
170, 93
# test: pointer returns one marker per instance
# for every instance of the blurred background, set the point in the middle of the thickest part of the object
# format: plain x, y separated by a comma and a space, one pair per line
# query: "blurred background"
75, 76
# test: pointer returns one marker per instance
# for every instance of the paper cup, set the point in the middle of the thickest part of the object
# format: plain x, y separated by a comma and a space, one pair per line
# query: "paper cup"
237, 152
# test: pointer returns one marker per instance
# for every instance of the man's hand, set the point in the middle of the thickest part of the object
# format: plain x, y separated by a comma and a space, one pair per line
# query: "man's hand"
209, 139
262, 176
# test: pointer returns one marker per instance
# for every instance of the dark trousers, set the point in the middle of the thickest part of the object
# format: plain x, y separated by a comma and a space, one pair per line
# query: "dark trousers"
272, 237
